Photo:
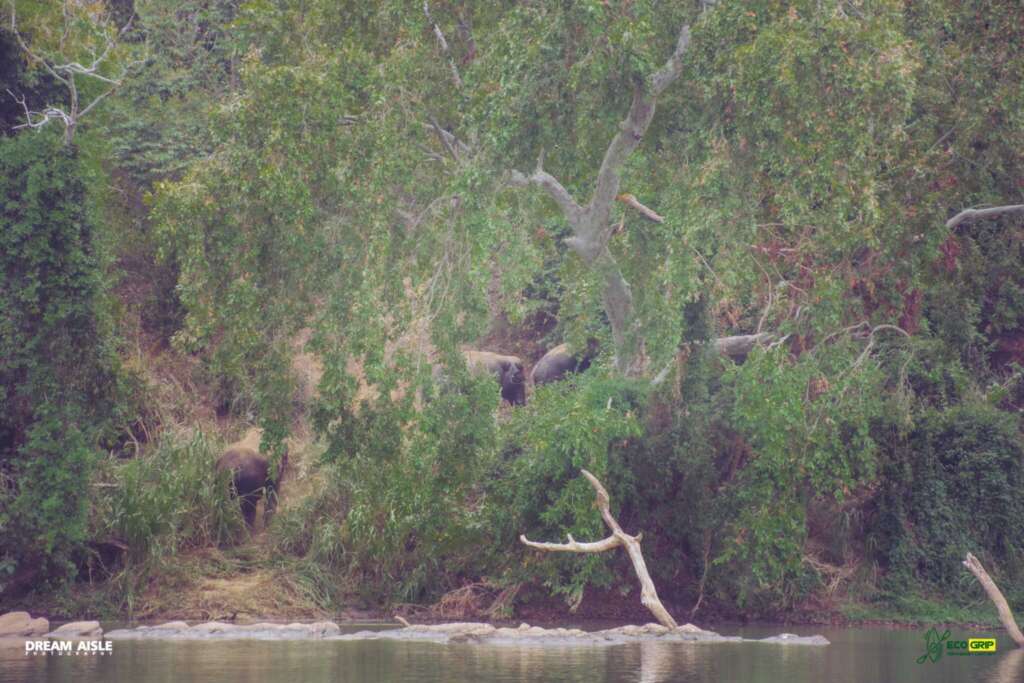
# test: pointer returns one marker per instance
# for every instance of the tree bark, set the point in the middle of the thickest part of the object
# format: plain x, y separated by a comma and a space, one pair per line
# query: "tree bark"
648, 594
996, 596
592, 226
971, 215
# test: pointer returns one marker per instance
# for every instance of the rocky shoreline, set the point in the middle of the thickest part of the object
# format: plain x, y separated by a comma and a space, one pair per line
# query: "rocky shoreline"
22, 625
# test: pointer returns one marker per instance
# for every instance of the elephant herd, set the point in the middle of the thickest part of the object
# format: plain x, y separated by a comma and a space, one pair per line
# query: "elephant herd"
508, 370
252, 476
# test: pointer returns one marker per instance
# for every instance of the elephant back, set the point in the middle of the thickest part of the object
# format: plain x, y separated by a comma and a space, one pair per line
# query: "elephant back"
249, 469
554, 365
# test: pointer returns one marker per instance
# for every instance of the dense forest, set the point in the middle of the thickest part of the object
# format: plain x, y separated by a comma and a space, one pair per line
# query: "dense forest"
782, 243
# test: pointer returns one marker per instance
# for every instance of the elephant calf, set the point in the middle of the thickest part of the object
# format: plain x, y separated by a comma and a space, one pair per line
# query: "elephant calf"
250, 480
507, 369
557, 363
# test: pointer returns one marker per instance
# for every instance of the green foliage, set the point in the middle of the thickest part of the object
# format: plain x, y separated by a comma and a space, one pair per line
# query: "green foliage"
318, 165
168, 499
409, 478
58, 372
584, 423
812, 439
159, 124
951, 486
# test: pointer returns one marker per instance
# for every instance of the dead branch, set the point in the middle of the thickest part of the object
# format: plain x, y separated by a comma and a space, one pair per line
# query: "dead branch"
741, 344
996, 596
456, 79
871, 342
648, 594
631, 201
65, 74
971, 215
704, 574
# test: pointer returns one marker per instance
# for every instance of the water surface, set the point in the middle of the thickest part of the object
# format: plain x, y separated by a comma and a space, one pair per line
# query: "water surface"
855, 656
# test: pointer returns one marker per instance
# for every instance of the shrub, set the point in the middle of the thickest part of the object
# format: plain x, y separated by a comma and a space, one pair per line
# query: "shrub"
952, 485
169, 499
58, 370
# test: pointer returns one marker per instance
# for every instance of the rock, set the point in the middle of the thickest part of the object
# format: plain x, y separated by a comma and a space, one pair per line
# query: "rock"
216, 630
78, 629
793, 639
211, 627
170, 626
459, 632
324, 629
22, 625
645, 630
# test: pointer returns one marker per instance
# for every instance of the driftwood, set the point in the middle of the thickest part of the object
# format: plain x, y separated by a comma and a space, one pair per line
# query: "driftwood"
996, 596
648, 594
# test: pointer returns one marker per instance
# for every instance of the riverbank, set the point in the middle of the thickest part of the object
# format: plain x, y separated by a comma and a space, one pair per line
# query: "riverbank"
238, 586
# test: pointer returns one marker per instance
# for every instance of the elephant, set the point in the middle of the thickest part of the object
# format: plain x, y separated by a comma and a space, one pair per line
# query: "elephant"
250, 477
559, 361
507, 369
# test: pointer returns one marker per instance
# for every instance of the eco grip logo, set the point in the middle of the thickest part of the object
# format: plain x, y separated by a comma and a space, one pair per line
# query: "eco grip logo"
935, 644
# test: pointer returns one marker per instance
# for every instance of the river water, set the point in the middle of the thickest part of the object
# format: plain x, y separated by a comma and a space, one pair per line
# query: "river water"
855, 656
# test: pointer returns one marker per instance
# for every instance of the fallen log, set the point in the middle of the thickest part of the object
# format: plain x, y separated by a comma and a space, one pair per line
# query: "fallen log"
996, 596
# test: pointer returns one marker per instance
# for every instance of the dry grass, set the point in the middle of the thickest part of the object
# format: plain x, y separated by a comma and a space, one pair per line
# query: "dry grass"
479, 600
233, 585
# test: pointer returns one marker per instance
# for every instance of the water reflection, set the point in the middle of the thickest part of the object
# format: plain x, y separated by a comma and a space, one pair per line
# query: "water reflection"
855, 656
1010, 668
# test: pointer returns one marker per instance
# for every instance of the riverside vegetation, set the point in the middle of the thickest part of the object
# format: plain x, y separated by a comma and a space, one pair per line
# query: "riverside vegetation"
220, 213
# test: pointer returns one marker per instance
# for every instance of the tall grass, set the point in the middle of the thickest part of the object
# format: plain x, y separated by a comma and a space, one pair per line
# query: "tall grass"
168, 499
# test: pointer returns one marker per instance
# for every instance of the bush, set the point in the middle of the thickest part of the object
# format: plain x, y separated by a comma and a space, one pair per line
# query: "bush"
169, 499
411, 481
584, 422
58, 370
952, 485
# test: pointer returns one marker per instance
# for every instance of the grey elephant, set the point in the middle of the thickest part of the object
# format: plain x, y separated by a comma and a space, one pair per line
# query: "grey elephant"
558, 362
250, 477
508, 370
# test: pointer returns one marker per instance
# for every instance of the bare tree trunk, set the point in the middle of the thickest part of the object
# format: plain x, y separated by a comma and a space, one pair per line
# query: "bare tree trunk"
996, 596
648, 594
592, 226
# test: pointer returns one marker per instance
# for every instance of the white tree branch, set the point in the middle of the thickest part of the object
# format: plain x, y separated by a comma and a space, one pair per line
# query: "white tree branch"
631, 132
549, 184
574, 546
996, 596
65, 74
456, 79
971, 215
663, 77
648, 594
591, 224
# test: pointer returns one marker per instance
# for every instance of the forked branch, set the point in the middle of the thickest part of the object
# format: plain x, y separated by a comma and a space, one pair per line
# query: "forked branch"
648, 594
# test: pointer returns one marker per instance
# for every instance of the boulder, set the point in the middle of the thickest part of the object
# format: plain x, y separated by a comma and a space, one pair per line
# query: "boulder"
793, 639
77, 629
22, 625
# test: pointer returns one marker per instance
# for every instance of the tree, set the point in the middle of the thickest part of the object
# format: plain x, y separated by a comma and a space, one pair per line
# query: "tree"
58, 54
58, 373
795, 180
